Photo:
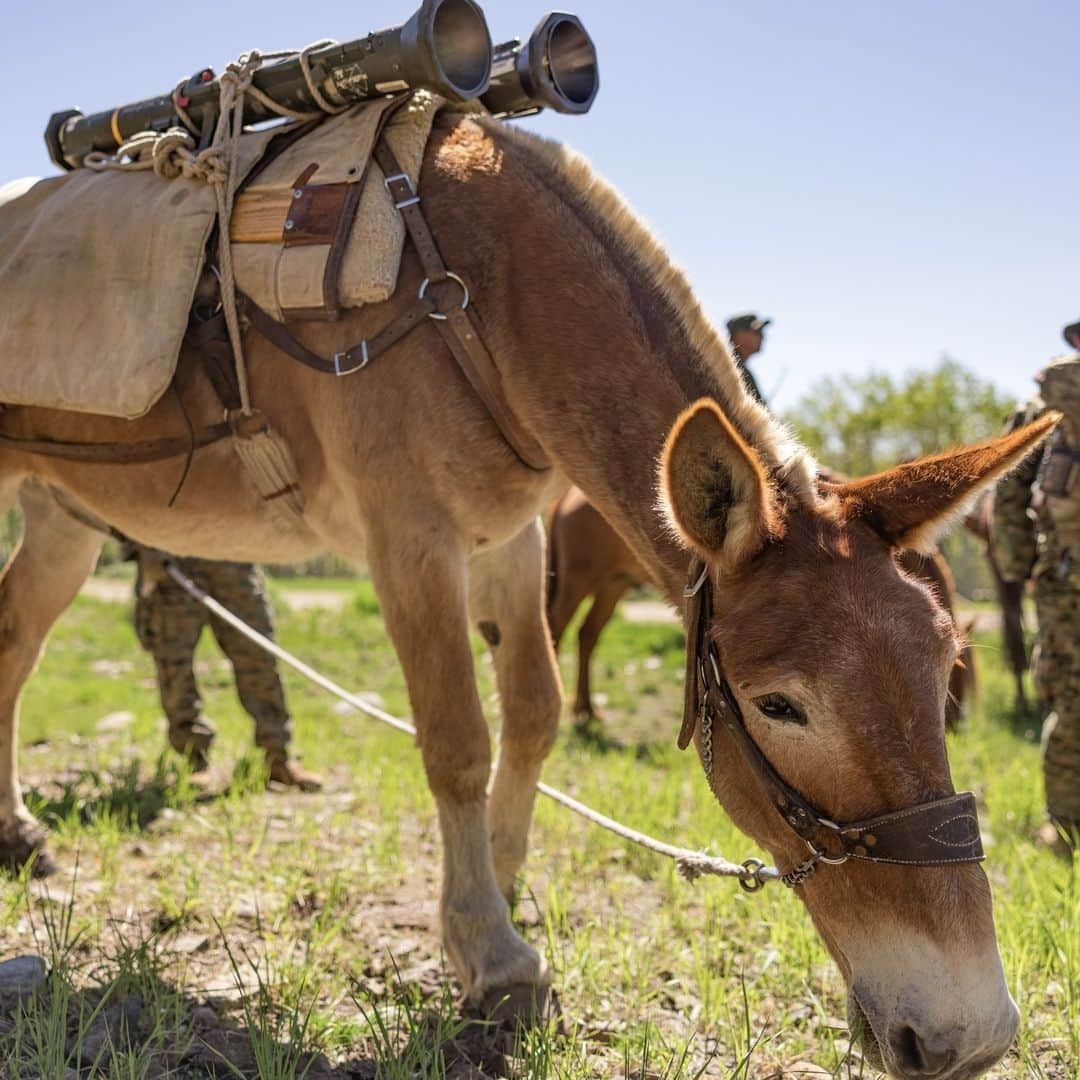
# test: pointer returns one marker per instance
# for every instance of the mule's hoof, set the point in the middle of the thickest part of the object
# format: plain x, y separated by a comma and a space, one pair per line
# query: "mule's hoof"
523, 1003
585, 715
26, 845
290, 773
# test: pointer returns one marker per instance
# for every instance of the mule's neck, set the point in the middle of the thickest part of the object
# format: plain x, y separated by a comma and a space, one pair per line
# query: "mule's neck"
594, 363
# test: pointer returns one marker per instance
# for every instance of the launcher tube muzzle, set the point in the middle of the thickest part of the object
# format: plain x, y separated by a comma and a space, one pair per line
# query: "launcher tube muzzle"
555, 69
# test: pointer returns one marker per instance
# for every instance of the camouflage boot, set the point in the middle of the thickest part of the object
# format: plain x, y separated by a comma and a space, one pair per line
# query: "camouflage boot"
1059, 836
290, 773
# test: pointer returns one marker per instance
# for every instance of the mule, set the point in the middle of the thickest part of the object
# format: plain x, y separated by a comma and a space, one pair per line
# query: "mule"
606, 359
588, 559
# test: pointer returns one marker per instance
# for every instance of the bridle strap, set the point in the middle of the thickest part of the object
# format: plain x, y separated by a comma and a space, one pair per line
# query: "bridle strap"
936, 833
698, 616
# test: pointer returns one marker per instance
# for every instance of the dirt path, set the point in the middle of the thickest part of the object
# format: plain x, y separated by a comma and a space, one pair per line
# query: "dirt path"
116, 591
648, 611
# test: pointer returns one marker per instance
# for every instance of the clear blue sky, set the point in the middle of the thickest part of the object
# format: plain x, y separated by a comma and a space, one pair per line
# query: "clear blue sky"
887, 181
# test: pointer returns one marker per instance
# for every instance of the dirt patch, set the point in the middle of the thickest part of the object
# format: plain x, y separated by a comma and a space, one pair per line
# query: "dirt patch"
115, 591
648, 611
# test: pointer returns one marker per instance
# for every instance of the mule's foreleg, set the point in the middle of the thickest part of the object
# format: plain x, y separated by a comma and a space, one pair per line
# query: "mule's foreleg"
506, 598
422, 591
53, 559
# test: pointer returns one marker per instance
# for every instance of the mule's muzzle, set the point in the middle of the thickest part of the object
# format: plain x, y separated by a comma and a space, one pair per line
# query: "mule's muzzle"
913, 1046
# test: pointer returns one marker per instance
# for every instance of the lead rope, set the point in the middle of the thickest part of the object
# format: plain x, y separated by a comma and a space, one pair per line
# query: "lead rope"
752, 873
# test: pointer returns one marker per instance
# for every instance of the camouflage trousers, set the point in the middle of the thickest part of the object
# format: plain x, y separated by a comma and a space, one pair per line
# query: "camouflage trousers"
169, 623
1057, 682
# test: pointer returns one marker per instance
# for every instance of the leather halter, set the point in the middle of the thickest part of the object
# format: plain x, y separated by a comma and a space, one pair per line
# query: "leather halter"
937, 833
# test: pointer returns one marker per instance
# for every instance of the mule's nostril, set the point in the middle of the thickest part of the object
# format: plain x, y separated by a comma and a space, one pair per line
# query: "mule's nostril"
919, 1057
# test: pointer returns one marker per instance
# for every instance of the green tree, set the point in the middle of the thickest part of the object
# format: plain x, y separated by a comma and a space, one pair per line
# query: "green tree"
859, 424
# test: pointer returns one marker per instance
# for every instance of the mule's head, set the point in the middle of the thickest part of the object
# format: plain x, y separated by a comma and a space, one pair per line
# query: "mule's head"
840, 664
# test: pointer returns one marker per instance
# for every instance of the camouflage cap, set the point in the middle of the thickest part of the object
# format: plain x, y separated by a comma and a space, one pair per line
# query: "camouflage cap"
747, 321
1067, 333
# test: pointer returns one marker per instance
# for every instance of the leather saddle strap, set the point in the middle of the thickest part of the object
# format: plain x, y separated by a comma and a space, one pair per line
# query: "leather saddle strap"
353, 358
460, 334
332, 273
134, 453
210, 337
458, 329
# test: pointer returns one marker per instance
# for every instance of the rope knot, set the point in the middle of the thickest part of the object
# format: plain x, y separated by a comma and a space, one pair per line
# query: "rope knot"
209, 165
238, 73
171, 153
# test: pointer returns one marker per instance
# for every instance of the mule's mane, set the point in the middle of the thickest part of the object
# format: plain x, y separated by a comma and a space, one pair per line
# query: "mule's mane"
571, 176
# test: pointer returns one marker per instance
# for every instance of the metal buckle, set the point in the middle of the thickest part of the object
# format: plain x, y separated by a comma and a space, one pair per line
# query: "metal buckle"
715, 666
412, 190
453, 277
692, 590
339, 356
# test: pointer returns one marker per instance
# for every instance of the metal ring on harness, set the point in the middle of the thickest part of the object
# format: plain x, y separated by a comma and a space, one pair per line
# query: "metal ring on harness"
452, 277
829, 860
752, 881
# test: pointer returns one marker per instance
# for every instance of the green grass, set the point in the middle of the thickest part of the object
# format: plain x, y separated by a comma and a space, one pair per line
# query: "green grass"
282, 935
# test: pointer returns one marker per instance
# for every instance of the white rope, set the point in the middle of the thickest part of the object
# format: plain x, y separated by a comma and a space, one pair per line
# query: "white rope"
690, 864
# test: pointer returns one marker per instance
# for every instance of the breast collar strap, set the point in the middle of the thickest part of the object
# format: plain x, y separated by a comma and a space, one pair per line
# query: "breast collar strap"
937, 833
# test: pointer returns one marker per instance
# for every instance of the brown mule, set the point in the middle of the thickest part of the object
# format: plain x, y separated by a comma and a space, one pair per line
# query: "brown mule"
607, 361
586, 559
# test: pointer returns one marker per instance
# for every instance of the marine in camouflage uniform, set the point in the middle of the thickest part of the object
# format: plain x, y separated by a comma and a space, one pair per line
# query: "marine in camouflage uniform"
746, 333
169, 623
1036, 533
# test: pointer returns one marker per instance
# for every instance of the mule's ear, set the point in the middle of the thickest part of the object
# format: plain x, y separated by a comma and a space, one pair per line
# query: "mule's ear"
912, 504
715, 490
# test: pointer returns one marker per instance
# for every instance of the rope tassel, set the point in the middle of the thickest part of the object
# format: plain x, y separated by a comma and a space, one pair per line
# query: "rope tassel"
269, 463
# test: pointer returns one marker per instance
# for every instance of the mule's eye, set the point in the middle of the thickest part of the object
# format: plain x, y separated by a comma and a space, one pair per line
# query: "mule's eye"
777, 707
